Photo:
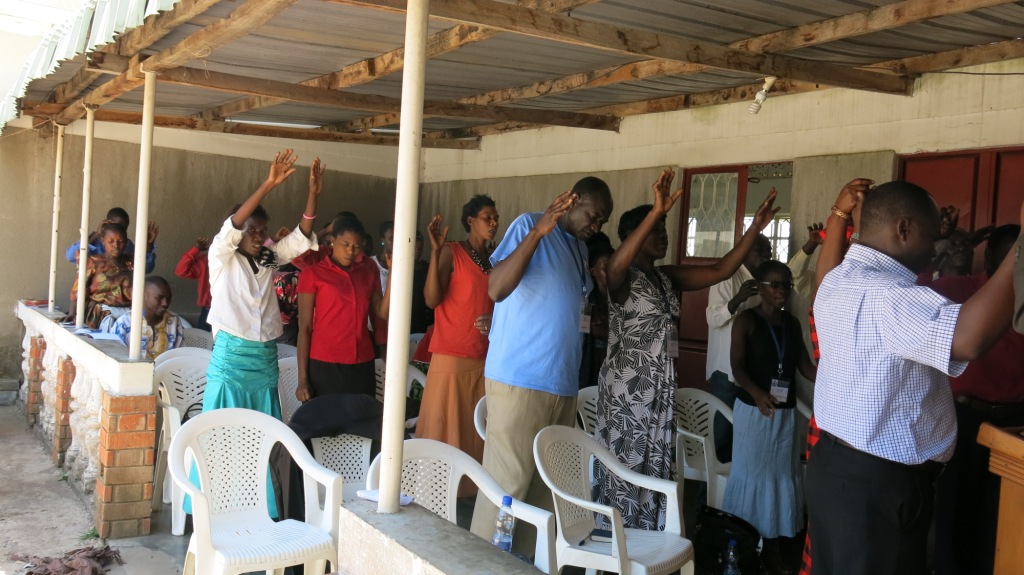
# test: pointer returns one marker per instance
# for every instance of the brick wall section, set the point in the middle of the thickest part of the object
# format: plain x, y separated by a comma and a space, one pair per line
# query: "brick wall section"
62, 411
124, 488
34, 379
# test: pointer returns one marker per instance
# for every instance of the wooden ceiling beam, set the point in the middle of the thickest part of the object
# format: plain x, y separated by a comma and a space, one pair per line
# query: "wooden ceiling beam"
962, 57
666, 104
368, 70
860, 23
244, 19
46, 111
133, 42
584, 81
645, 44
338, 99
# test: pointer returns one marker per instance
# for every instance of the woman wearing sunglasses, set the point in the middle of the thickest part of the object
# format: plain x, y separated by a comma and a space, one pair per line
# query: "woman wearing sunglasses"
765, 487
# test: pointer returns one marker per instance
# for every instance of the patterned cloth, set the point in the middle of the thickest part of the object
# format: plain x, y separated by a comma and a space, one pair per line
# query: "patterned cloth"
156, 339
636, 399
286, 287
885, 354
108, 284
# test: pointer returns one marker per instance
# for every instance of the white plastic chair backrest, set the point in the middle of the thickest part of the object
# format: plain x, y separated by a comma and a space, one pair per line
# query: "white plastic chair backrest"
562, 455
287, 383
695, 412
195, 337
378, 374
480, 418
431, 473
181, 382
586, 409
284, 350
414, 342
183, 352
348, 455
413, 375
231, 448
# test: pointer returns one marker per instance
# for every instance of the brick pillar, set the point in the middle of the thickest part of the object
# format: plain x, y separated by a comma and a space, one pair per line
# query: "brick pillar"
34, 379
62, 431
124, 488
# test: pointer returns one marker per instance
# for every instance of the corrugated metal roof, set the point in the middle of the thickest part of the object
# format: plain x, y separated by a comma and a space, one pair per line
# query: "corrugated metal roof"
313, 38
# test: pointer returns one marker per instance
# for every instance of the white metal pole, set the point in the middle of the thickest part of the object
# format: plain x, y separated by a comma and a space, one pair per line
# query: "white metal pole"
83, 231
57, 176
142, 216
406, 199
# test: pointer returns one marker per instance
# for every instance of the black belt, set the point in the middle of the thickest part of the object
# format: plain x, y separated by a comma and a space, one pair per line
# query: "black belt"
993, 409
928, 468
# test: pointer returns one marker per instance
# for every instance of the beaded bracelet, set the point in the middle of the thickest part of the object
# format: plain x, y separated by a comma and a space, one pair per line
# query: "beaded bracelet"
837, 212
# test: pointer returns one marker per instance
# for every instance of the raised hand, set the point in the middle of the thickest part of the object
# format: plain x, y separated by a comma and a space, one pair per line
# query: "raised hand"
152, 233
949, 217
814, 237
852, 194
438, 237
765, 212
663, 200
280, 234
202, 243
556, 210
316, 177
282, 167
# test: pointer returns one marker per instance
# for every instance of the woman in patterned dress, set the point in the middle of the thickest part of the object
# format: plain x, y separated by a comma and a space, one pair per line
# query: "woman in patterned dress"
108, 280
638, 380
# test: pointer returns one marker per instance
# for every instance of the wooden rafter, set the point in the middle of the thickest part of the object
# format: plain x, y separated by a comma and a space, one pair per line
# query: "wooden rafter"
335, 98
247, 17
970, 56
584, 81
133, 42
370, 69
860, 23
49, 111
646, 44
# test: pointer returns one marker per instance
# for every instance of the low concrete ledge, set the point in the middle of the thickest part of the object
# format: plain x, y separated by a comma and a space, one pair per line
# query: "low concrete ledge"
417, 542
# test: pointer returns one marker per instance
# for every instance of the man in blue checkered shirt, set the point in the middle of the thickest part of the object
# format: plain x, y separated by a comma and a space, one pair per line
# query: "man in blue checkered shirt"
882, 398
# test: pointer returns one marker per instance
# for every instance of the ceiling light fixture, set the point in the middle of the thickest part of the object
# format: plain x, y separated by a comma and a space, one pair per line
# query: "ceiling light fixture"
762, 95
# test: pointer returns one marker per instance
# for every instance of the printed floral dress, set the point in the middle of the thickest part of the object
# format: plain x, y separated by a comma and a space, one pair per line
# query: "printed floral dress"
636, 398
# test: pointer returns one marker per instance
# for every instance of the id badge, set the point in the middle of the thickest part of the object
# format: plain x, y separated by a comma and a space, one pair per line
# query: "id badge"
585, 316
780, 390
672, 342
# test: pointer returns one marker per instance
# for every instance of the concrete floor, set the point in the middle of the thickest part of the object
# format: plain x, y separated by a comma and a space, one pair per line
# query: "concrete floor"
41, 515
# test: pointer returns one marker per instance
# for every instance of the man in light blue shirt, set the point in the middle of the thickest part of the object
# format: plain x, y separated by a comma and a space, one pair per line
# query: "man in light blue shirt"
540, 282
882, 398
95, 247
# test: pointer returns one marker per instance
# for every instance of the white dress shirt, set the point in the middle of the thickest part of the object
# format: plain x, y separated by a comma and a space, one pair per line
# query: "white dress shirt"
885, 355
245, 304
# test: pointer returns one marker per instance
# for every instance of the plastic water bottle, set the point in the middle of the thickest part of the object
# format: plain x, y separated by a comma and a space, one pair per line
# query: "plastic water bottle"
504, 525
732, 561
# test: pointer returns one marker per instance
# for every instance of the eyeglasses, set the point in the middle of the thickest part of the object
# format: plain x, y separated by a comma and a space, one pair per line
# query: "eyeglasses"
778, 284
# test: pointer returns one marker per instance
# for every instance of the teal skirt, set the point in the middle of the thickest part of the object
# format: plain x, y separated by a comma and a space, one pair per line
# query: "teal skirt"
242, 373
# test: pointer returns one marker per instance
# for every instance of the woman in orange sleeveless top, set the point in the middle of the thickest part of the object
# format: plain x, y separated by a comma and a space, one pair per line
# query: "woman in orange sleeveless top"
457, 290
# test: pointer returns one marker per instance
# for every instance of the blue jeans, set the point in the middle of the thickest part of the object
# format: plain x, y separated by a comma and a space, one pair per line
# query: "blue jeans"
725, 390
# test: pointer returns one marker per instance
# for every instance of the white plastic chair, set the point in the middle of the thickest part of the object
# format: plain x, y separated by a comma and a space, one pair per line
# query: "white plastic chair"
233, 530
180, 384
349, 456
431, 472
480, 418
586, 409
284, 350
412, 374
696, 457
562, 454
287, 383
183, 352
195, 337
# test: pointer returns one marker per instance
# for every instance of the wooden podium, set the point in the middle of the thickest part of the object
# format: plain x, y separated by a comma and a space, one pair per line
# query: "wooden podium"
1007, 461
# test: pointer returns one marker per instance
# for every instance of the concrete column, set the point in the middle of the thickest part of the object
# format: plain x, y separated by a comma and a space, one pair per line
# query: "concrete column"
57, 177
406, 200
83, 232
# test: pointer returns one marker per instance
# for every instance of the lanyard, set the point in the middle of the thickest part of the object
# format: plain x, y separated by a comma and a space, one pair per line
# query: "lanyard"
656, 280
779, 349
580, 264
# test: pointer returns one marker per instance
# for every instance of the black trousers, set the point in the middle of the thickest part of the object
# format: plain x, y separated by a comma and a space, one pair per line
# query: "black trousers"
867, 515
967, 496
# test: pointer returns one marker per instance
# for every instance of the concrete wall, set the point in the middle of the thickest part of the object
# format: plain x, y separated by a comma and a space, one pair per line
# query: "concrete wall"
190, 194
